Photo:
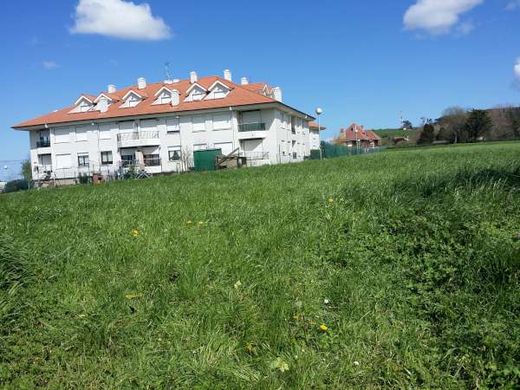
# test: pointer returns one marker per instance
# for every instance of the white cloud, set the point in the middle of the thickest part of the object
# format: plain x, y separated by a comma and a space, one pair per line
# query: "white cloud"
49, 65
119, 19
437, 16
513, 5
517, 69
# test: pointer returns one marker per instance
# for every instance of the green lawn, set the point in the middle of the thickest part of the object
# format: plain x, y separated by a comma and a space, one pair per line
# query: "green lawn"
411, 260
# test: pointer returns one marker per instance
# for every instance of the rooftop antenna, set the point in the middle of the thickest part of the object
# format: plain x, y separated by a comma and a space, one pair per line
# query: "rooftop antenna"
167, 72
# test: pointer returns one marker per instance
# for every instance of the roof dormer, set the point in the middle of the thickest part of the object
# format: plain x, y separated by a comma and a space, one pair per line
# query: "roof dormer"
167, 96
195, 92
83, 104
131, 99
218, 90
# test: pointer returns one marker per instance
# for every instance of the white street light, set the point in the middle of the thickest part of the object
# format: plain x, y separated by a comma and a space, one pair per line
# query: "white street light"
319, 111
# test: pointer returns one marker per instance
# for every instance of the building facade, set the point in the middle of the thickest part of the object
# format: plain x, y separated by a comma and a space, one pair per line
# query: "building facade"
157, 127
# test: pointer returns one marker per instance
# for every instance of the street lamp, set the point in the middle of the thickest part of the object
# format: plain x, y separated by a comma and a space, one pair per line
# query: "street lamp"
319, 111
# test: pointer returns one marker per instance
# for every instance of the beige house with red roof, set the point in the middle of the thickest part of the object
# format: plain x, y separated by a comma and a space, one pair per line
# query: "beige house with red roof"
357, 136
158, 126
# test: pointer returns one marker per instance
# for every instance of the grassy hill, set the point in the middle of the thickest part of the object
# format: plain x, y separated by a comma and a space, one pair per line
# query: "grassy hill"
395, 269
387, 135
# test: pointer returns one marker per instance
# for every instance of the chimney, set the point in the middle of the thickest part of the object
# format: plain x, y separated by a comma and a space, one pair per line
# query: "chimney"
111, 88
102, 105
193, 77
227, 75
141, 83
277, 91
244, 81
175, 98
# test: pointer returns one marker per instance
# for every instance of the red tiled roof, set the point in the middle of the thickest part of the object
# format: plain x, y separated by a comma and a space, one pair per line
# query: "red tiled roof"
238, 96
350, 134
314, 126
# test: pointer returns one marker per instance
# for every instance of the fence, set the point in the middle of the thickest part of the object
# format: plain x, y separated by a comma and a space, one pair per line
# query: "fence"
332, 150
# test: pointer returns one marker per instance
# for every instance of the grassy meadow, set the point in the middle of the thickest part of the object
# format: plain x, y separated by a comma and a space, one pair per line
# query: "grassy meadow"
398, 269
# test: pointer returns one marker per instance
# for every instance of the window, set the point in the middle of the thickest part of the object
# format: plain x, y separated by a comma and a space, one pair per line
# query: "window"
199, 147
197, 94
221, 121
173, 125
165, 97
174, 153
83, 160
81, 133
84, 106
132, 100
63, 161
152, 160
105, 132
106, 158
199, 123
127, 159
61, 135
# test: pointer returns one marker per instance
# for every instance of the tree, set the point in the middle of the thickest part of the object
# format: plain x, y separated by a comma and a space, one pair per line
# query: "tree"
478, 124
407, 125
453, 125
427, 135
27, 170
513, 119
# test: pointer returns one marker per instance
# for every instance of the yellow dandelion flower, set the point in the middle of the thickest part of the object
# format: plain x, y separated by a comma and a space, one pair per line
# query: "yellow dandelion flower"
324, 328
189, 222
201, 223
331, 200
135, 233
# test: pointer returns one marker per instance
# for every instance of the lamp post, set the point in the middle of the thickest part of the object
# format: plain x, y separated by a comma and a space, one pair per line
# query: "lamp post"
319, 111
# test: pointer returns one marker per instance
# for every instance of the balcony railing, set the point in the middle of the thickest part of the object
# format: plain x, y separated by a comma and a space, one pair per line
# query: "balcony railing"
43, 143
152, 161
255, 155
259, 126
138, 136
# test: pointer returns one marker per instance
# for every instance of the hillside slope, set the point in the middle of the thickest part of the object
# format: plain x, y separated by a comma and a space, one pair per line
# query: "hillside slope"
395, 269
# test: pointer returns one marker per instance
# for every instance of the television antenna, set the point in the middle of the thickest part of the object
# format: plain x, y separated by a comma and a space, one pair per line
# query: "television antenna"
167, 71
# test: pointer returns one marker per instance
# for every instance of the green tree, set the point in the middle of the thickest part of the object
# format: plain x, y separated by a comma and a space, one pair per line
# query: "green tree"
478, 124
427, 135
27, 170
453, 125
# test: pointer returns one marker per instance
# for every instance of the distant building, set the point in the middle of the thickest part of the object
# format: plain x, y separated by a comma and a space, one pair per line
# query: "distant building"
357, 136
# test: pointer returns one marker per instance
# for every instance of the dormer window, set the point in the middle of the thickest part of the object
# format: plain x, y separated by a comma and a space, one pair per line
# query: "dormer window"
131, 99
167, 96
195, 92
218, 91
83, 104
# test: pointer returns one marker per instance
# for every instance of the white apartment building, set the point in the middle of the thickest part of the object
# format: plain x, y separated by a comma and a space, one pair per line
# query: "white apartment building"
159, 126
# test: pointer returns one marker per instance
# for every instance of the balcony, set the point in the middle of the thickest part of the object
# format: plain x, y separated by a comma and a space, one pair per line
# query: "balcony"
258, 126
43, 143
138, 138
251, 130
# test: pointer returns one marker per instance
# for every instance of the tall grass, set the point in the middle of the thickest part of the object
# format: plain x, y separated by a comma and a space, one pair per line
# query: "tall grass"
222, 280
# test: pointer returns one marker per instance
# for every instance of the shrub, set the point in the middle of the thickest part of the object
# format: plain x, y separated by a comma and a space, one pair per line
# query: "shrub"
16, 185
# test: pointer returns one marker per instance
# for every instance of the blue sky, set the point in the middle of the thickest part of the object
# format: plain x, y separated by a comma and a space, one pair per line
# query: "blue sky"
363, 61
